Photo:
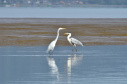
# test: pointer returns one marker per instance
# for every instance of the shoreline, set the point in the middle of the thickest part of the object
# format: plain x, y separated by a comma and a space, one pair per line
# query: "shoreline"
67, 6
41, 31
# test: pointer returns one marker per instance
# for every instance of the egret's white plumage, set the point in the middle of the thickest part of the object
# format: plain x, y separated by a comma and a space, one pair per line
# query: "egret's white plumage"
53, 43
73, 41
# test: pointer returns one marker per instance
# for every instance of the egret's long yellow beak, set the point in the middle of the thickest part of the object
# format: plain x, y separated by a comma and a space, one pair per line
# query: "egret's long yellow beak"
63, 28
65, 33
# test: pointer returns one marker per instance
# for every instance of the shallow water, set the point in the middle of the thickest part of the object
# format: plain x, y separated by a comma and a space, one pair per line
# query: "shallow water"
31, 12
90, 65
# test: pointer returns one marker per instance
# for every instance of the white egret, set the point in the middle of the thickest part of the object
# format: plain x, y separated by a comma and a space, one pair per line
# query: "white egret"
53, 43
73, 41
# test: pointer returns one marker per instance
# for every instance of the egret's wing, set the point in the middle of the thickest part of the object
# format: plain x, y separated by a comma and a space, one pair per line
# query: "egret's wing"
75, 41
51, 46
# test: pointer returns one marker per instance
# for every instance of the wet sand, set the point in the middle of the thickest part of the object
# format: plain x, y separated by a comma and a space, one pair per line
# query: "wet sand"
35, 31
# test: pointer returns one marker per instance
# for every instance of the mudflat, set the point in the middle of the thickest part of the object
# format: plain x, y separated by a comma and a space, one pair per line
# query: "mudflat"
41, 31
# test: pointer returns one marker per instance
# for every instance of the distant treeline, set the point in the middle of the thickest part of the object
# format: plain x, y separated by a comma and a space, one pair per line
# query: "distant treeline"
101, 2
66, 2
106, 2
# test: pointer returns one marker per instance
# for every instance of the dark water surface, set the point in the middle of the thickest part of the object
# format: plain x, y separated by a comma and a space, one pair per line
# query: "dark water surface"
91, 65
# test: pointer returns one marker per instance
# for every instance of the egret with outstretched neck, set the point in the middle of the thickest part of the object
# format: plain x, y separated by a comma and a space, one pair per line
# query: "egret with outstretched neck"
53, 43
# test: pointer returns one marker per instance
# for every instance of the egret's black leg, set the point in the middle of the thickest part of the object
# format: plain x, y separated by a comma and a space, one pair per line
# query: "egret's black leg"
76, 49
52, 52
73, 49
49, 52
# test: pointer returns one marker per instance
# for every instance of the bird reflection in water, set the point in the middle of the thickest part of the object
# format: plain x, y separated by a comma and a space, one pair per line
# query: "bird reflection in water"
73, 61
53, 66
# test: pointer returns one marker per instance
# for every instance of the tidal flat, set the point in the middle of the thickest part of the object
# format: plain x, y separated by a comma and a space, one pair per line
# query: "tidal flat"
41, 31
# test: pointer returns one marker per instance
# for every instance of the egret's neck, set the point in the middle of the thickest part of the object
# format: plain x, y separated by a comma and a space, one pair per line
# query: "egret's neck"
57, 35
68, 36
